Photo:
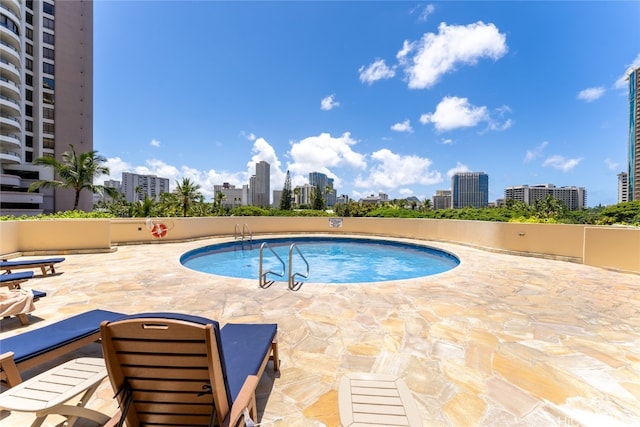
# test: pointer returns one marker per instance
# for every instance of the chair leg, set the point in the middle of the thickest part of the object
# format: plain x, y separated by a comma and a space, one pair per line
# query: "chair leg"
24, 319
274, 355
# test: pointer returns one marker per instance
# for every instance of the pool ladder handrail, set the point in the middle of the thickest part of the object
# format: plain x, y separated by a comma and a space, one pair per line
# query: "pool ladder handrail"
262, 277
238, 231
293, 285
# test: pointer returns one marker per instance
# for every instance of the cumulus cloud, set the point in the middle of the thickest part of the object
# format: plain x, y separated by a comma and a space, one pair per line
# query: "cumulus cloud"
459, 168
329, 103
404, 126
375, 71
263, 151
591, 94
453, 112
154, 143
535, 152
622, 81
561, 163
453, 45
391, 170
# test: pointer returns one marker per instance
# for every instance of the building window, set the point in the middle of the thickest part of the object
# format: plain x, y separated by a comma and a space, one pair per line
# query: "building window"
49, 128
29, 34
47, 23
48, 83
28, 140
28, 110
28, 156
48, 113
48, 98
9, 24
28, 125
29, 79
30, 4
48, 143
29, 18
29, 95
48, 68
29, 48
48, 53
48, 38
48, 8
29, 64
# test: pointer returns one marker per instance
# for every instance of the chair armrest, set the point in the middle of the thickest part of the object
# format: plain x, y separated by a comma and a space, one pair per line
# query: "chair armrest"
9, 370
114, 420
246, 399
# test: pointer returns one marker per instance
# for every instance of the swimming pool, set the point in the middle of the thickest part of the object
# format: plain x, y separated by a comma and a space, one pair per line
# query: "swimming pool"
331, 259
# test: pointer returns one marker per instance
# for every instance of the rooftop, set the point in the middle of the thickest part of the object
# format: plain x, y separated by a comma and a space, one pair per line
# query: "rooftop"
499, 340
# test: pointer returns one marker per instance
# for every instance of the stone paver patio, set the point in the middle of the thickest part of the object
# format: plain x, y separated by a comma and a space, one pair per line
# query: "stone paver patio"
500, 340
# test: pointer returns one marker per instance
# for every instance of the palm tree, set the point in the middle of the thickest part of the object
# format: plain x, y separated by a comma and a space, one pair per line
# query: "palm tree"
76, 171
187, 193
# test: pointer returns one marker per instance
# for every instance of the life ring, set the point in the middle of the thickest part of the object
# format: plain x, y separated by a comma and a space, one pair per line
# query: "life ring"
159, 231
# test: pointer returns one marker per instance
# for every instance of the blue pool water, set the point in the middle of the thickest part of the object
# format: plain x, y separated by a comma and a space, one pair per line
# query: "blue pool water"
331, 260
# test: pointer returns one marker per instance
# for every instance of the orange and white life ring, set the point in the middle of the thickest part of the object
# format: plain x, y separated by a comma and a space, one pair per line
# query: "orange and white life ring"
159, 231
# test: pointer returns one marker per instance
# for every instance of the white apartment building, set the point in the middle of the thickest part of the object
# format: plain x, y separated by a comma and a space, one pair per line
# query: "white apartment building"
443, 199
623, 187
46, 98
138, 187
575, 198
233, 197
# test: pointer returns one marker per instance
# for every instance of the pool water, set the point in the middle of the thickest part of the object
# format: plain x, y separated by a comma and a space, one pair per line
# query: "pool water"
331, 260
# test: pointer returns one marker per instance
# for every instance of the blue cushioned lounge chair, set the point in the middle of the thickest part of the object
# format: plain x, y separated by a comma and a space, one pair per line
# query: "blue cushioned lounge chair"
13, 280
175, 369
31, 348
43, 264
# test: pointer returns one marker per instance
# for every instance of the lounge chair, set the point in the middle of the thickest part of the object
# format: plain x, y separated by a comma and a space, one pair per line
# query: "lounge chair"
13, 280
29, 349
175, 369
19, 304
43, 264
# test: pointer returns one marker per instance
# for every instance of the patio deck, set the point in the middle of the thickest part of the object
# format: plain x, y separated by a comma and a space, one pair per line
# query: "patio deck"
500, 340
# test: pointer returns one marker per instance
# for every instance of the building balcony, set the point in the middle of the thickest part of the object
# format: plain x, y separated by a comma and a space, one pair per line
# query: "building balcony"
7, 180
10, 141
9, 50
8, 34
10, 124
21, 197
10, 157
9, 89
10, 107
9, 70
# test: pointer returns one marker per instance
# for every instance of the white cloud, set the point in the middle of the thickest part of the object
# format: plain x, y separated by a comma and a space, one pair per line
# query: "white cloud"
447, 141
250, 136
375, 71
453, 112
329, 103
423, 11
611, 165
454, 45
263, 151
402, 126
591, 94
459, 168
154, 143
561, 163
536, 152
622, 80
391, 171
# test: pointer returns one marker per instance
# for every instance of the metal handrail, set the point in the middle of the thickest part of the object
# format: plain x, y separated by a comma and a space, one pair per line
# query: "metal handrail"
262, 278
238, 231
292, 276
249, 230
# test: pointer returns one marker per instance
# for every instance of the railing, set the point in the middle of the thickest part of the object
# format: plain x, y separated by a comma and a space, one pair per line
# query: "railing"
241, 232
293, 285
262, 278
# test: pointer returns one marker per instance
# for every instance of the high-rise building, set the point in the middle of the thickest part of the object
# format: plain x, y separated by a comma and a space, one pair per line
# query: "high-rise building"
319, 179
470, 189
575, 198
634, 135
46, 89
442, 199
262, 189
232, 196
623, 187
138, 187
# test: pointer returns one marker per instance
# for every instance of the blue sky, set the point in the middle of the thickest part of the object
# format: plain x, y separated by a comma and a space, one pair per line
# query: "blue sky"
381, 96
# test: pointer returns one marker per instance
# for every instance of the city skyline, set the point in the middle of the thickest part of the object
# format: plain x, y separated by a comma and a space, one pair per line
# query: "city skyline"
422, 91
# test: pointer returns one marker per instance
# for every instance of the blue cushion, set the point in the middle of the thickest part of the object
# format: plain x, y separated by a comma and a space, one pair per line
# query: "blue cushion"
245, 346
42, 340
38, 294
23, 275
30, 262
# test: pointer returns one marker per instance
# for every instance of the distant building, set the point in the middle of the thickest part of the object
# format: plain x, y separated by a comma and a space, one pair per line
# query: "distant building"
326, 186
575, 198
372, 199
343, 198
261, 188
303, 194
138, 187
233, 197
634, 135
623, 187
442, 200
470, 189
